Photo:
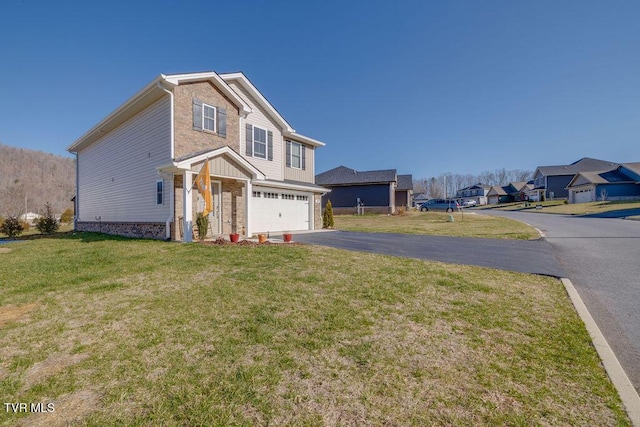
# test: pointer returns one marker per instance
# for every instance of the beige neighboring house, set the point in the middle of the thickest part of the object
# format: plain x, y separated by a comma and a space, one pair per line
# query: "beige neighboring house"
136, 168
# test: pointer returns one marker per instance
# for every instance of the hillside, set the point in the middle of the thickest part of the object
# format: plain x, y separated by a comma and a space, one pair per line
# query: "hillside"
34, 177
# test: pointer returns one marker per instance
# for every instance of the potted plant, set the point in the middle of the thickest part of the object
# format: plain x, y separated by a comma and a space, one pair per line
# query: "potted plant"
262, 238
234, 236
286, 236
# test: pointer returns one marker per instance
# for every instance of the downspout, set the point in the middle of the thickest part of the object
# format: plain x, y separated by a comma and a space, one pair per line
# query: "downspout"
167, 226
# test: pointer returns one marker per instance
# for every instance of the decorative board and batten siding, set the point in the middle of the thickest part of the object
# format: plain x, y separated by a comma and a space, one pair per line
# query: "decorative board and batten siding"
307, 172
117, 174
273, 169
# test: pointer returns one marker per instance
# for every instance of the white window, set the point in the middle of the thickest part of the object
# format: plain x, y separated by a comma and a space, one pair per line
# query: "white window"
256, 194
208, 118
288, 196
305, 198
259, 142
270, 195
296, 155
159, 192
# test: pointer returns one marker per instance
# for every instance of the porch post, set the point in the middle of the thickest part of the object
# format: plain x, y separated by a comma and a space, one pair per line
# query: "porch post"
187, 202
248, 189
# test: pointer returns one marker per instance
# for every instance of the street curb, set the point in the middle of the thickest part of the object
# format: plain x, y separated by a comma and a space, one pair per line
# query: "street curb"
627, 392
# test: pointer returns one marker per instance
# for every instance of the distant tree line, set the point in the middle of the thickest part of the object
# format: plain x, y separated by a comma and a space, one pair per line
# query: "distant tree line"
30, 179
447, 184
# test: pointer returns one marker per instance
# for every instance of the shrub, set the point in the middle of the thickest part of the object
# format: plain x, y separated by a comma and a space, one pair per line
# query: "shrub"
327, 216
202, 222
12, 226
47, 223
67, 216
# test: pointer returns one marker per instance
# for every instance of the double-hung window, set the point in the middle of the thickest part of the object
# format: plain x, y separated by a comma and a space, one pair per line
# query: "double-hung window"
259, 142
208, 118
296, 155
159, 192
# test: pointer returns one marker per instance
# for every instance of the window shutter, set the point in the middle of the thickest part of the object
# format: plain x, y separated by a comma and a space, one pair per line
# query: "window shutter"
288, 154
304, 161
269, 145
197, 114
222, 122
249, 140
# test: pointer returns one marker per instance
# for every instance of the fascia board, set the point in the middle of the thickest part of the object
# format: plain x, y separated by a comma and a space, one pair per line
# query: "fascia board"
305, 139
262, 101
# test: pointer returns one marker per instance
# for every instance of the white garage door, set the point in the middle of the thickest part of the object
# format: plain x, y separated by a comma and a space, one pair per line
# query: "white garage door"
584, 196
273, 210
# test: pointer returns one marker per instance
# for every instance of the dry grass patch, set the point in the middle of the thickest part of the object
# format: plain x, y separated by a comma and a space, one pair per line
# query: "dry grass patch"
12, 313
465, 224
179, 334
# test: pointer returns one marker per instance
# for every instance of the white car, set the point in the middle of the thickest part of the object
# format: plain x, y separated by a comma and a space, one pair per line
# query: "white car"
469, 203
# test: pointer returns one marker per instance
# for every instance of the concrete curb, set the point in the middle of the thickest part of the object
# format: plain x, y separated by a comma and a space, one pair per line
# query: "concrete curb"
618, 377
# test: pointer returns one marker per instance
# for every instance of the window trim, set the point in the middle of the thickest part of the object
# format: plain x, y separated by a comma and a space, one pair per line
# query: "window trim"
299, 156
214, 118
266, 143
159, 192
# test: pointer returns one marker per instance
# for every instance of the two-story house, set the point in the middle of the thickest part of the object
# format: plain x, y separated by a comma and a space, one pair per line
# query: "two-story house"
136, 168
476, 193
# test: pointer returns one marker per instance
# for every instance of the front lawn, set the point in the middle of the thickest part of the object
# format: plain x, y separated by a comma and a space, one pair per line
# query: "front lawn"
465, 224
560, 207
113, 331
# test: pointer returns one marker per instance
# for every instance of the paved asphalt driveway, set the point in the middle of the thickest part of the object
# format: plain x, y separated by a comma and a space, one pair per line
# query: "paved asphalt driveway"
601, 256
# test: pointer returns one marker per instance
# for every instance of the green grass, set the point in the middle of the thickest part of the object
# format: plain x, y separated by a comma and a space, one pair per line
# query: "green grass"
130, 332
465, 224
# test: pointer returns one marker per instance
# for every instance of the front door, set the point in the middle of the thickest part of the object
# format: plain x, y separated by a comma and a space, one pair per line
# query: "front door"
216, 220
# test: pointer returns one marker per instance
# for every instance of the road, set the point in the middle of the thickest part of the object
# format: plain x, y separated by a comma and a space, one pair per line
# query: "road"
601, 256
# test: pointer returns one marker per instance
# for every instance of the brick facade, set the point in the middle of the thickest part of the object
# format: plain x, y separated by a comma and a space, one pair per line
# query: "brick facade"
188, 140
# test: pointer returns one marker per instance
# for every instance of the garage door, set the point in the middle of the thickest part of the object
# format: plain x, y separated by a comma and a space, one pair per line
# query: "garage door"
584, 196
273, 211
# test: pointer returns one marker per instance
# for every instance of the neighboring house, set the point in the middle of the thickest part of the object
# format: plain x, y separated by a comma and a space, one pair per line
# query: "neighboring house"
136, 168
372, 191
29, 217
404, 192
419, 199
550, 182
620, 183
513, 192
478, 193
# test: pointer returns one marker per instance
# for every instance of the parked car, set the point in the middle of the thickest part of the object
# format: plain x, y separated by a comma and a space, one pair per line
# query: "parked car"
469, 203
439, 205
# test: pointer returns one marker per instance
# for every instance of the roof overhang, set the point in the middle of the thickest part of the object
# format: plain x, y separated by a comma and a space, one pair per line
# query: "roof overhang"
300, 186
304, 139
187, 163
147, 96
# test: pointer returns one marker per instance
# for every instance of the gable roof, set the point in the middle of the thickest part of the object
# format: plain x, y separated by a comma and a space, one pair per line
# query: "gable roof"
288, 131
497, 190
585, 164
600, 177
343, 175
147, 96
405, 182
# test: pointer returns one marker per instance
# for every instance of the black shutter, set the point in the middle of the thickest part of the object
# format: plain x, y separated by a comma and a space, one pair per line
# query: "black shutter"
197, 114
304, 157
269, 145
288, 154
222, 122
249, 140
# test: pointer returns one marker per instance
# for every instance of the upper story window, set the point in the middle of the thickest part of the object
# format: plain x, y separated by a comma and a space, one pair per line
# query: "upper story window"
259, 142
296, 155
209, 118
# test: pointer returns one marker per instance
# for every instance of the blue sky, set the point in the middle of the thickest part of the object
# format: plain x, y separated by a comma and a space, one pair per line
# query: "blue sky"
426, 87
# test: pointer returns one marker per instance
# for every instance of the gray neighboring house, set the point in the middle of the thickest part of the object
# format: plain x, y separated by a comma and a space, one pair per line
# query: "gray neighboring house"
550, 182
477, 193
378, 191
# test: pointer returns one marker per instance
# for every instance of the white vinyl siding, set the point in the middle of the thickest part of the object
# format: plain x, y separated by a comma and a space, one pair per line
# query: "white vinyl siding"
303, 175
273, 169
117, 174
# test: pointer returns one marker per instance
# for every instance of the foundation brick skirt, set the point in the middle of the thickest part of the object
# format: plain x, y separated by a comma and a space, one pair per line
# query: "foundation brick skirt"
144, 230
